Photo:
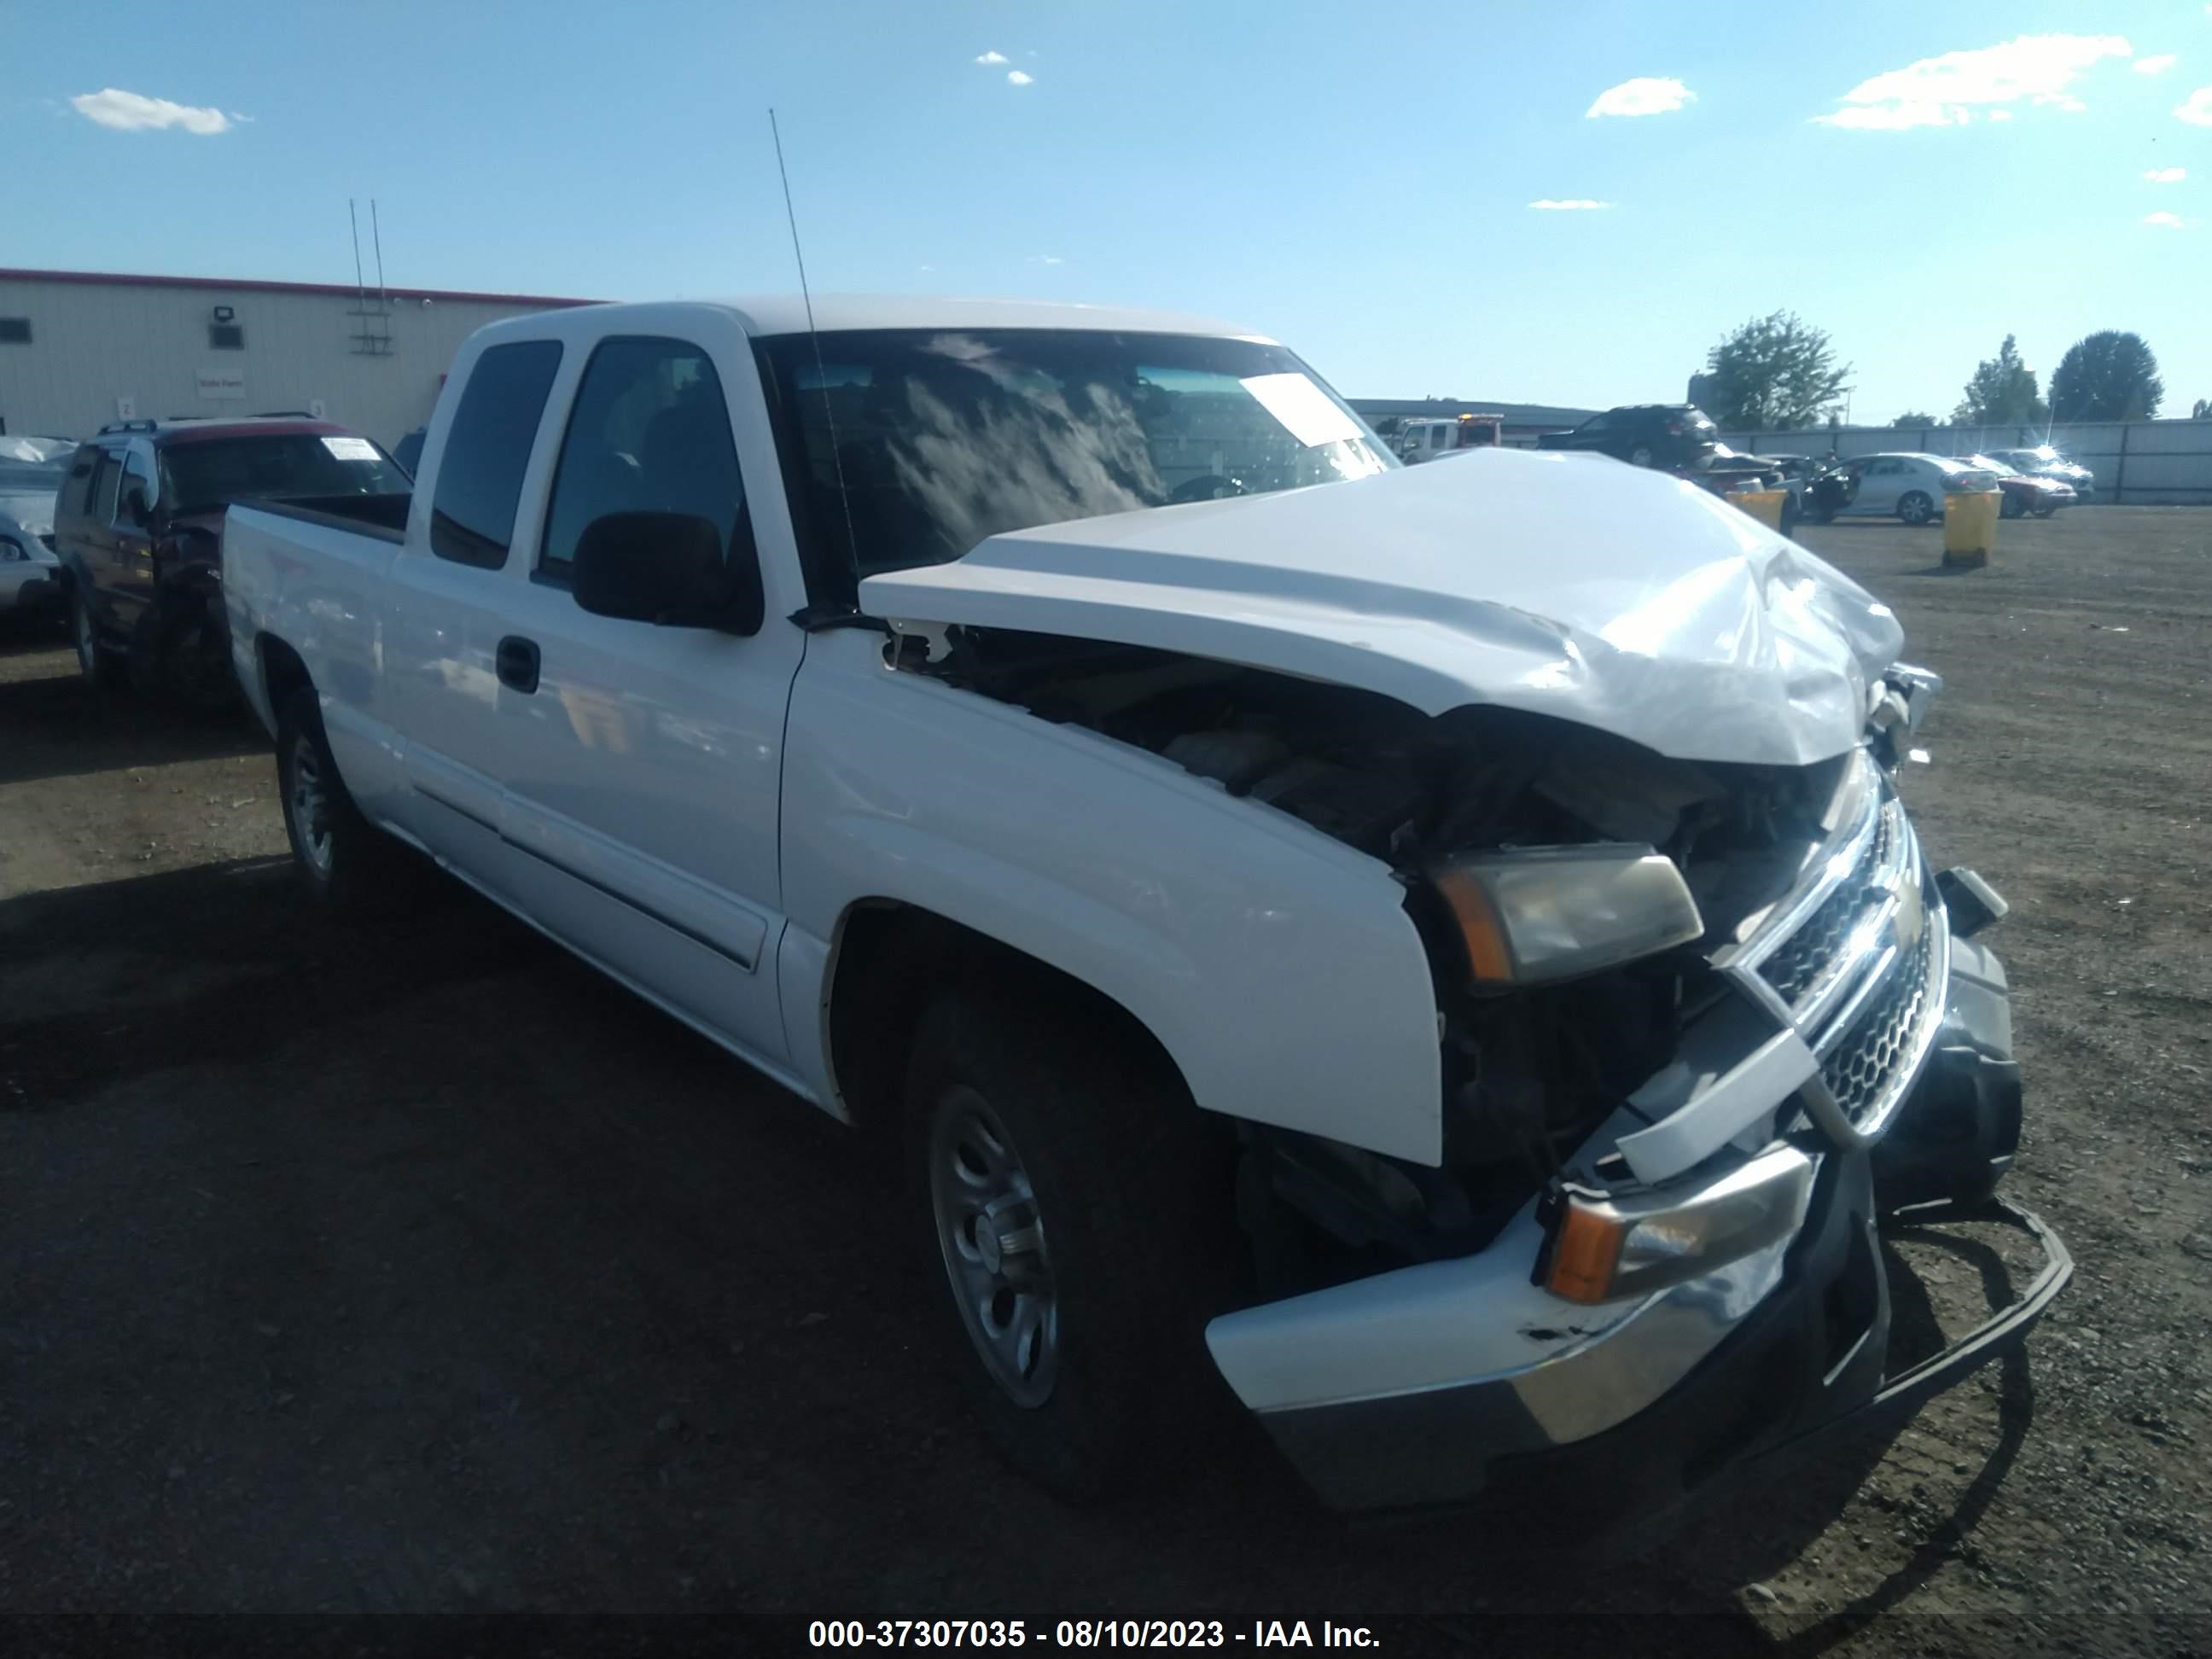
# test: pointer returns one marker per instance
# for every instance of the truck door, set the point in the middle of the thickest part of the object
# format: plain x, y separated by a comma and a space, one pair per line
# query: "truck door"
446, 604
642, 765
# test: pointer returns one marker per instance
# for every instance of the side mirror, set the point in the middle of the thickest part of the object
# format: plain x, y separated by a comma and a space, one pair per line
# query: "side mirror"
667, 568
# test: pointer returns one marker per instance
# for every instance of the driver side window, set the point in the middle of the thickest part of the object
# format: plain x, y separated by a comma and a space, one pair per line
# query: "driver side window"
649, 432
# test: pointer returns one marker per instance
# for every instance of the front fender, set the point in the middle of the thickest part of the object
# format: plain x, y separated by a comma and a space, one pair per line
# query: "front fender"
1277, 967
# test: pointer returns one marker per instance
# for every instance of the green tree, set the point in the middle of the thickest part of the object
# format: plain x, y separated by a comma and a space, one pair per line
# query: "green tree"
2110, 376
2202, 411
1774, 373
2002, 392
1913, 418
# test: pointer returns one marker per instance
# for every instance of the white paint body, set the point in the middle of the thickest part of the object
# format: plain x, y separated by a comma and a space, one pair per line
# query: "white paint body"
699, 813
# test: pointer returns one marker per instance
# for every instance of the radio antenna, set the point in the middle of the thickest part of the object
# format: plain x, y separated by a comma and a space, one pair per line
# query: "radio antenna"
821, 374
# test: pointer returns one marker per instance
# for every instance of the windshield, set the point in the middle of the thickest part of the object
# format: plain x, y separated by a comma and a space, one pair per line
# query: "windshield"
213, 472
942, 438
1991, 463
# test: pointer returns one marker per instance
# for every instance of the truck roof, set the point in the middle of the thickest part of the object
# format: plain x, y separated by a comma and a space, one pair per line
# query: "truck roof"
786, 314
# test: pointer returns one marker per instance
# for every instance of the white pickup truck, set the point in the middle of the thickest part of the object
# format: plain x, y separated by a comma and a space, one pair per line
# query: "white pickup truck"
1438, 951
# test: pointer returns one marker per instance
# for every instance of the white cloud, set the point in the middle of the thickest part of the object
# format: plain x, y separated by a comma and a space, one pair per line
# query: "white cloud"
2167, 175
1944, 91
2156, 65
1019, 78
991, 58
2000, 115
1573, 204
1647, 94
2165, 221
133, 112
1046, 259
2197, 108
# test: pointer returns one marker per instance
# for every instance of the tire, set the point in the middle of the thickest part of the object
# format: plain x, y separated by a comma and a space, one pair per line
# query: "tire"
1915, 508
1080, 1328
2012, 507
351, 867
99, 668
1640, 456
2047, 510
1819, 514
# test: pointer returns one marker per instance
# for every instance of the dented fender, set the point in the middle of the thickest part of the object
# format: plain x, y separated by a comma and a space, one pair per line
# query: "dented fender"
1278, 968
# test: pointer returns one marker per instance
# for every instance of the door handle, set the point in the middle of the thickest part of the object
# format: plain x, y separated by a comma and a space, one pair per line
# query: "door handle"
517, 663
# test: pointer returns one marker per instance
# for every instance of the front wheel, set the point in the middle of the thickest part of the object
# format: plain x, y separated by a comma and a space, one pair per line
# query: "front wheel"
2012, 507
1915, 508
1639, 456
2045, 509
1081, 1227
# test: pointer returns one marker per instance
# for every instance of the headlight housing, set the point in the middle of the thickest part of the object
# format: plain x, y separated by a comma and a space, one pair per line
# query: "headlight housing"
1536, 915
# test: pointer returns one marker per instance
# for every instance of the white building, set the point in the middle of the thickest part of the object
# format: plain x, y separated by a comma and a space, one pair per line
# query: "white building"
79, 349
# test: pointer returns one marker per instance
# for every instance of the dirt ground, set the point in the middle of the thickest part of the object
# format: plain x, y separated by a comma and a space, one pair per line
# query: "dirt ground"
425, 1270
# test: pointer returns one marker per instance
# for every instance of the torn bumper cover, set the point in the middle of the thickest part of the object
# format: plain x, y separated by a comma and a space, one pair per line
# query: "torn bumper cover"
1463, 1381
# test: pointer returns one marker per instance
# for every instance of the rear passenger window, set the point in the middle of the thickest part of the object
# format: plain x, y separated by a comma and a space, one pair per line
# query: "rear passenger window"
649, 433
106, 487
488, 451
77, 494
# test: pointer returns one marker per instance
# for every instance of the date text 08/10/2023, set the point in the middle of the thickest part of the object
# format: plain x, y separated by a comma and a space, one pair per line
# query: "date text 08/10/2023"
1085, 1633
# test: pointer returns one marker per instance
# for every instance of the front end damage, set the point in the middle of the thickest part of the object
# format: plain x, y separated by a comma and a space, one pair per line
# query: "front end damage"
1695, 1279
1703, 1026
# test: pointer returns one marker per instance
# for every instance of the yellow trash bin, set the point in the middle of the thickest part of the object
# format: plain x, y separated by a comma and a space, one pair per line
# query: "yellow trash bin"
1970, 527
1764, 505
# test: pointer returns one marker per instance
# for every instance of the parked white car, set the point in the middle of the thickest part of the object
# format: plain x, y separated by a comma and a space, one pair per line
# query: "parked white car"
1438, 949
1909, 485
30, 571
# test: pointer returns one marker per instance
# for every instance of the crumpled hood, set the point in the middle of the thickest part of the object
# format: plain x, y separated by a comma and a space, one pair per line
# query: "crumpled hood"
1562, 584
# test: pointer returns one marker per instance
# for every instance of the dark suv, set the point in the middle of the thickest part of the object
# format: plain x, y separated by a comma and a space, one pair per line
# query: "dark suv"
1671, 435
138, 526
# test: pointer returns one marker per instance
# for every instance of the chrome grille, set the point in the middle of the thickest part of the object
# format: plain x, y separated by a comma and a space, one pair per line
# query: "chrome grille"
1805, 964
1867, 1066
1800, 962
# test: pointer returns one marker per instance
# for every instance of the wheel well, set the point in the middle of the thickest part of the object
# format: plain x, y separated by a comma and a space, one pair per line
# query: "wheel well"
892, 960
283, 672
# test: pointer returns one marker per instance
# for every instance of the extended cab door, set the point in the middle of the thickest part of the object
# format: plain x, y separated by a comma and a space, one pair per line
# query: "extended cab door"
446, 608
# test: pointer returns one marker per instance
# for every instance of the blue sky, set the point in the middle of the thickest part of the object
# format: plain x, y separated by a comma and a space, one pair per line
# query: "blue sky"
1355, 179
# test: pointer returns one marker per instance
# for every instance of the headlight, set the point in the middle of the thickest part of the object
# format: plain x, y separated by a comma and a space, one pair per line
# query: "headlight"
1603, 1249
1545, 913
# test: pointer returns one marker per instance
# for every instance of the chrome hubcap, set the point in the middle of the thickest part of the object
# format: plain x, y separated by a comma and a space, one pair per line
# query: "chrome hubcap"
311, 808
991, 1236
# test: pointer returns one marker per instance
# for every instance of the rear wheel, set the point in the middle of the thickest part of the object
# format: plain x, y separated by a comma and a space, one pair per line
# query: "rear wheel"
1082, 1230
1915, 508
1640, 456
349, 866
2012, 507
2045, 509
100, 668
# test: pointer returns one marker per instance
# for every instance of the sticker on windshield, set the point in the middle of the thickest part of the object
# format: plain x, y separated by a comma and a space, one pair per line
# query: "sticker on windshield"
351, 449
1303, 409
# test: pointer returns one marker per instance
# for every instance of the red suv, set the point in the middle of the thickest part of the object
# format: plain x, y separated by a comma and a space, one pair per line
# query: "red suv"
138, 526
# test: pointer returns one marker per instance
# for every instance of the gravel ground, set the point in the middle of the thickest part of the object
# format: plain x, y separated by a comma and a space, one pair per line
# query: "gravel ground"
426, 1271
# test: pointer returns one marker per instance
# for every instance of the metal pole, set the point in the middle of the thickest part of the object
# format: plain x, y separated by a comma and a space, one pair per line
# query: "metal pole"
378, 235
360, 284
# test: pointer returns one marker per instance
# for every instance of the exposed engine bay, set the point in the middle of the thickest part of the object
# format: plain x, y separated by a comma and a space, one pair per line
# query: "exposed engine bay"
1529, 1072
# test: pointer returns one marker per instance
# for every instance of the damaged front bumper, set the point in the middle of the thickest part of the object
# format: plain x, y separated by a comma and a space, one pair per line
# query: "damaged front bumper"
1866, 1040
